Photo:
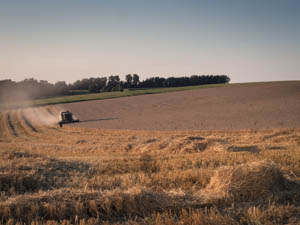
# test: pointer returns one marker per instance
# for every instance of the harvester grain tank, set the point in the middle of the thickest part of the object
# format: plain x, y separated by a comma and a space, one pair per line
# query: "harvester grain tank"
66, 117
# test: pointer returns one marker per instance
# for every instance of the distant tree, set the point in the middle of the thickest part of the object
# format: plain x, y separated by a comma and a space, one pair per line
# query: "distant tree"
170, 82
93, 88
7, 88
117, 88
129, 81
33, 89
76, 85
61, 88
100, 83
122, 85
135, 80
154, 82
112, 82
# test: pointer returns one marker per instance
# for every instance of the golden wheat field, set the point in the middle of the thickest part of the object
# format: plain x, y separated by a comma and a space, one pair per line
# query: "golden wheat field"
72, 175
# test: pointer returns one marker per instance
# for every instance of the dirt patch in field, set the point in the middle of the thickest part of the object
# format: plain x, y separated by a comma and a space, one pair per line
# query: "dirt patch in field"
246, 106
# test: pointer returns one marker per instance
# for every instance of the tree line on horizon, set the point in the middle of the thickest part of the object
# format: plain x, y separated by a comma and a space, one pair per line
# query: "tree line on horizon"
34, 89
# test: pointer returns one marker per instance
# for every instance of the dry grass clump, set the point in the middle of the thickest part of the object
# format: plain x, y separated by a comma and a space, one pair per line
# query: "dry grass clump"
15, 174
148, 164
189, 144
12, 183
247, 182
197, 144
11, 155
176, 144
22, 172
66, 204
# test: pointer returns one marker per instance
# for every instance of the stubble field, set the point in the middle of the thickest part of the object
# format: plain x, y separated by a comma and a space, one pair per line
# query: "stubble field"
178, 175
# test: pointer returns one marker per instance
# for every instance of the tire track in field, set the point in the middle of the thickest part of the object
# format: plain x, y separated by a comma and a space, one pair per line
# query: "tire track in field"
49, 118
50, 110
44, 122
11, 125
2, 127
27, 123
18, 124
36, 119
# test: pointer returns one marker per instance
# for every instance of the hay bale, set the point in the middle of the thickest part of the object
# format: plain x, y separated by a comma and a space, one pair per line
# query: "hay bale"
247, 182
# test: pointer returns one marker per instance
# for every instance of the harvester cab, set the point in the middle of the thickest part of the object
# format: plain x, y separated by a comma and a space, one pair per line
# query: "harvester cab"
66, 117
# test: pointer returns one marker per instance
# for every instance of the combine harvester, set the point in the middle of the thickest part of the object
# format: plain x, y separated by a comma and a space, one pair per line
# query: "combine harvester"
66, 117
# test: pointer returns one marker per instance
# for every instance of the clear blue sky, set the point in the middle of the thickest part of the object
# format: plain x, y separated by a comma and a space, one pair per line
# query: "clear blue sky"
249, 40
